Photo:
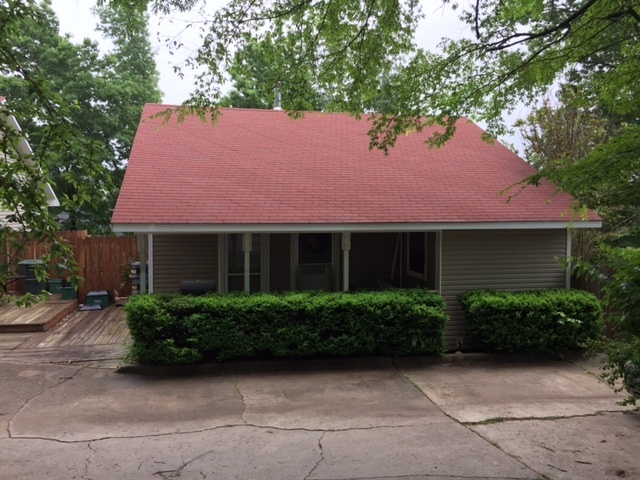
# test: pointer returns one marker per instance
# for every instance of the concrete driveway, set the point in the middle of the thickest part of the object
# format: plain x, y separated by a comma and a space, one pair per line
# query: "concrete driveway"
340, 419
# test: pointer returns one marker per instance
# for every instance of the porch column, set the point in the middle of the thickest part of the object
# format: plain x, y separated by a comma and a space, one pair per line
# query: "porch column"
247, 245
569, 267
142, 250
346, 246
150, 262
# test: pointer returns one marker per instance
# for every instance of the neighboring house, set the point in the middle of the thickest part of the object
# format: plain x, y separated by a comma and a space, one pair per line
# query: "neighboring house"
261, 202
24, 151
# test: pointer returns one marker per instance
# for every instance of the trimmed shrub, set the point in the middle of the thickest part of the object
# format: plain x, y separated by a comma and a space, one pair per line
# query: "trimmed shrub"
174, 329
532, 321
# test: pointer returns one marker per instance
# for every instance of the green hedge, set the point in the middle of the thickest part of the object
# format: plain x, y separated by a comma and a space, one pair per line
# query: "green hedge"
532, 321
173, 329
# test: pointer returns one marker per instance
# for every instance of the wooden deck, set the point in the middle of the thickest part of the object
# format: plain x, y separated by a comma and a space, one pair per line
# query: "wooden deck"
36, 318
97, 327
93, 337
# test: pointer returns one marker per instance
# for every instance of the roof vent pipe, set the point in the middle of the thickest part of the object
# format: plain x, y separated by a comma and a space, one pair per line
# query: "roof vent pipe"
278, 98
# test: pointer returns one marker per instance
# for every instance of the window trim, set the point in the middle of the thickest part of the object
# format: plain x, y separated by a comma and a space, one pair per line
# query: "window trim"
223, 262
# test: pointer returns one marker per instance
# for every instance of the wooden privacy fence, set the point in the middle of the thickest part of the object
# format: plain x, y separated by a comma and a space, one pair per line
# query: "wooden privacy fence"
586, 284
103, 262
592, 285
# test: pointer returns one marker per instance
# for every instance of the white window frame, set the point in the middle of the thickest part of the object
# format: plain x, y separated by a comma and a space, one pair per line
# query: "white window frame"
223, 262
437, 264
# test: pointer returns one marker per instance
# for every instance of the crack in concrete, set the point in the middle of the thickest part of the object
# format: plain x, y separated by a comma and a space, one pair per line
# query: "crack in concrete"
220, 427
466, 426
428, 476
494, 420
178, 471
33, 397
514, 457
588, 371
415, 385
244, 403
321, 456
87, 462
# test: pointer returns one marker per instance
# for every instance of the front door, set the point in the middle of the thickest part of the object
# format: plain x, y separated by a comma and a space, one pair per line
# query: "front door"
315, 261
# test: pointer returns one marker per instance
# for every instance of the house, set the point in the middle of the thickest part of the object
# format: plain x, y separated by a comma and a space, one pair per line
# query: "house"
261, 202
23, 151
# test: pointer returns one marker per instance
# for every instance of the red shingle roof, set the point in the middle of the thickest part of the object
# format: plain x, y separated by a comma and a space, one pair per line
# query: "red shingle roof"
259, 166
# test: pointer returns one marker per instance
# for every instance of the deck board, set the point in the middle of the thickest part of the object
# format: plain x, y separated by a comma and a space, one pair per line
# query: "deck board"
106, 356
9, 341
80, 329
108, 332
93, 338
35, 318
81, 326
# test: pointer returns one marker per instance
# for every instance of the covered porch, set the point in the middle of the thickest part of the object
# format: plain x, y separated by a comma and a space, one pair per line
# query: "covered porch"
308, 260
448, 259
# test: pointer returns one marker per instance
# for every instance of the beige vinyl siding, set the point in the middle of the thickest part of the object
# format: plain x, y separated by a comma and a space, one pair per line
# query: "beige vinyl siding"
280, 262
497, 259
183, 257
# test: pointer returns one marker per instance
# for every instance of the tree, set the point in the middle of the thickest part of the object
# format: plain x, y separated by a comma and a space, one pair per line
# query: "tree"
109, 92
255, 75
130, 79
22, 174
517, 50
621, 293
560, 135
79, 110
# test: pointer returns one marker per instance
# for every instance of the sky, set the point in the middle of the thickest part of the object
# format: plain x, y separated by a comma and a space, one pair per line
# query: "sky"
77, 20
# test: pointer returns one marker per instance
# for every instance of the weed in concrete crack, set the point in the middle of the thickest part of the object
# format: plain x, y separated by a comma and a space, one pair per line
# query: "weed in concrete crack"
493, 420
495, 444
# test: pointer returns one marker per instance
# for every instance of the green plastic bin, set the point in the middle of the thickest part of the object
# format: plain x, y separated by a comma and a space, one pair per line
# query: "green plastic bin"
68, 293
100, 297
55, 285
